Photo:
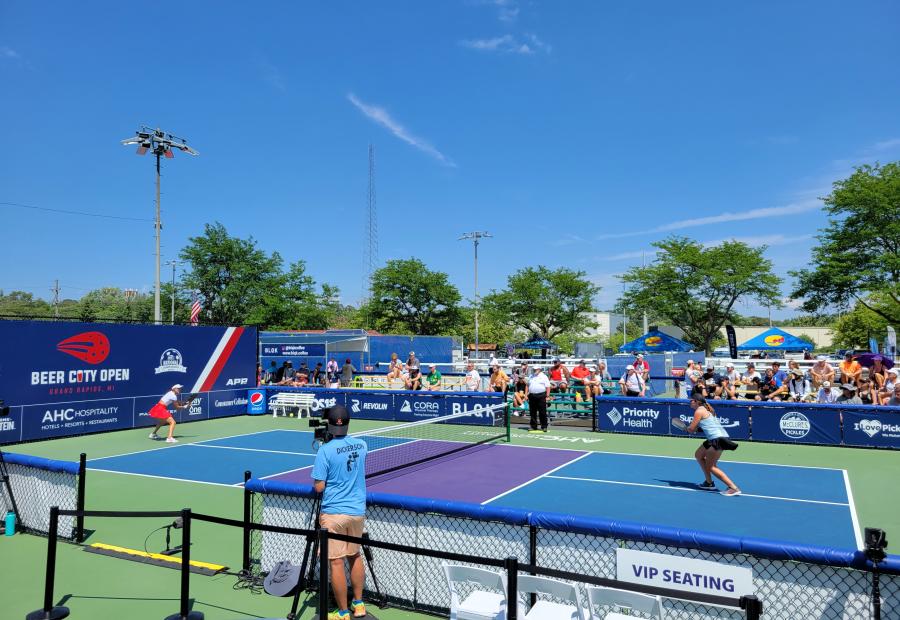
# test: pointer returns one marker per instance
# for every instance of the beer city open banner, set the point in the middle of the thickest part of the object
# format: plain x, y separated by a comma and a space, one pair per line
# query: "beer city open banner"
72, 378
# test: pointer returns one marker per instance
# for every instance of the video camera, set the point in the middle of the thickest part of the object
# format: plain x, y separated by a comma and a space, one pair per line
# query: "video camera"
320, 426
4, 409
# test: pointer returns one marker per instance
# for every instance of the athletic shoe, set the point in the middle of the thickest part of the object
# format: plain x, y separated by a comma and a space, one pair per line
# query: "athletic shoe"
339, 614
731, 492
359, 609
707, 486
171, 440
154, 436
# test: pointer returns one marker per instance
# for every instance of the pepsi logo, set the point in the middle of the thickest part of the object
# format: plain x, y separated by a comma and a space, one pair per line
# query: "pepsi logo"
256, 398
90, 347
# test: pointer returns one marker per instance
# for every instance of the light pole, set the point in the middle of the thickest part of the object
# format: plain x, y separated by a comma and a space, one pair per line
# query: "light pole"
161, 144
476, 237
174, 263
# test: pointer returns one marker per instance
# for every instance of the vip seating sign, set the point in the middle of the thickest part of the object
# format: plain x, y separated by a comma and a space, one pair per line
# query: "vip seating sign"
62, 378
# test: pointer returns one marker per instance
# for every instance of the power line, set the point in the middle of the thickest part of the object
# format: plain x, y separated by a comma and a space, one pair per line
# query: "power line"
84, 213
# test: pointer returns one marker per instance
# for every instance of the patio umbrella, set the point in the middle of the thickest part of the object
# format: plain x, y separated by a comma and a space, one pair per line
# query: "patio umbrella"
868, 360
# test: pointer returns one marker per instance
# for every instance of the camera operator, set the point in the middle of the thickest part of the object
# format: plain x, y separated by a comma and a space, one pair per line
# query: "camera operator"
339, 473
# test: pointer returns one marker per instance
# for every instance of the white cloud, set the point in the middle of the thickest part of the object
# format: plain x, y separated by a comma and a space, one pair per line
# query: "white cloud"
567, 240
507, 10
8, 52
728, 216
383, 118
508, 44
886, 145
769, 240
272, 75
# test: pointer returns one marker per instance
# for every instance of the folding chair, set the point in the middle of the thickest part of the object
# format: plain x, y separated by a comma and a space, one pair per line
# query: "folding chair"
486, 602
623, 600
543, 609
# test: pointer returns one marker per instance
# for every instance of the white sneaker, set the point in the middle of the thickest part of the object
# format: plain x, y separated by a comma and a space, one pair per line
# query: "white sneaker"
154, 436
171, 440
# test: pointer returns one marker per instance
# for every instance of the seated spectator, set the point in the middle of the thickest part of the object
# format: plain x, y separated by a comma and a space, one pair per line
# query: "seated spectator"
318, 375
865, 389
433, 378
725, 389
304, 370
272, 374
472, 382
792, 366
632, 383
849, 369
779, 375
848, 395
520, 384
750, 381
878, 373
499, 380
799, 388
821, 371
693, 384
827, 394
641, 366
580, 376
413, 379
332, 374
412, 360
300, 379
894, 400
733, 376
709, 381
768, 390
559, 376
890, 382
287, 374
602, 375
395, 367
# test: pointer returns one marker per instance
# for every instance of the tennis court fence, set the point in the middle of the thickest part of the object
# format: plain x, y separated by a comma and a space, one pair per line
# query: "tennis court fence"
37, 484
791, 581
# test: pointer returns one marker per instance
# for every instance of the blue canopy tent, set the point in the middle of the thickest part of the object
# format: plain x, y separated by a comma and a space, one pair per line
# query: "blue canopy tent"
538, 343
775, 339
656, 341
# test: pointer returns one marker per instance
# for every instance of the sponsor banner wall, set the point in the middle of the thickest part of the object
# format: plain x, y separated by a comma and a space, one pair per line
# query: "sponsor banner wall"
802, 424
734, 418
412, 406
47, 362
62, 419
633, 416
256, 401
274, 349
371, 405
11, 426
226, 403
870, 428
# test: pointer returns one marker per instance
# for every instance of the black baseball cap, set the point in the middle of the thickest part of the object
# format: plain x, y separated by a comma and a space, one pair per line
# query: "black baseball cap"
338, 420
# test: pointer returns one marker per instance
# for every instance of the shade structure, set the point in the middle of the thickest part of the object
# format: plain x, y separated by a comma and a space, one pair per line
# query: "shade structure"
536, 343
656, 341
775, 339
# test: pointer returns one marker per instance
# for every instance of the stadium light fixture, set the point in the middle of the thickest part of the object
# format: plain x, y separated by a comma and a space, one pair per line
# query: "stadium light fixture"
476, 237
160, 143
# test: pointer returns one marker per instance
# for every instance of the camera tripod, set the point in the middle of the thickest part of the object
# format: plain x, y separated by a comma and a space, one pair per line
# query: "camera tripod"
4, 478
307, 580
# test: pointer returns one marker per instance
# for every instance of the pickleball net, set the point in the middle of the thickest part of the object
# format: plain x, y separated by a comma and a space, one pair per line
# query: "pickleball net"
408, 445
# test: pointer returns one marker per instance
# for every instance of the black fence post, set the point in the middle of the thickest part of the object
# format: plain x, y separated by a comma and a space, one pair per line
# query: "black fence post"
322, 536
532, 554
79, 502
48, 611
753, 607
594, 427
512, 587
248, 498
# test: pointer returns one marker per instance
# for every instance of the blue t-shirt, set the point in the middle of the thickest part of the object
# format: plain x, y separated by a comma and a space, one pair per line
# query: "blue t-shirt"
341, 463
780, 377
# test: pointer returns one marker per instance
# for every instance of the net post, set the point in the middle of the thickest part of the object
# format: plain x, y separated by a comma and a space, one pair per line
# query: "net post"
594, 409
248, 498
511, 565
753, 607
48, 611
322, 537
508, 423
79, 501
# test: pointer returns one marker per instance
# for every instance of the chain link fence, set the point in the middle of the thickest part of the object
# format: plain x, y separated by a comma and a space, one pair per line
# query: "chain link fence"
37, 484
788, 589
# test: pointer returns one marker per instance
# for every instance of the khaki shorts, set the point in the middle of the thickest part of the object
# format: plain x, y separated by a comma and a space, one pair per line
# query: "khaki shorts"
348, 525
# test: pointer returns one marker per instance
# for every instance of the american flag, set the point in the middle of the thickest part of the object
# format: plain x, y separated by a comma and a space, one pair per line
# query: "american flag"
195, 308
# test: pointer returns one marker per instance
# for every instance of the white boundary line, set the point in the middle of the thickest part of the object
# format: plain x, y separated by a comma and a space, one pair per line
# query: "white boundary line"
200, 445
180, 445
856, 532
535, 479
671, 488
128, 473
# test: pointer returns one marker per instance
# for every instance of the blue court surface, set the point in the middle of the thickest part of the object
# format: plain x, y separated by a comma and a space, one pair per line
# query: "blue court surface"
798, 504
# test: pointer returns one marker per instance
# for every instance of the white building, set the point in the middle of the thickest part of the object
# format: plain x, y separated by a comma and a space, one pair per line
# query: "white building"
609, 323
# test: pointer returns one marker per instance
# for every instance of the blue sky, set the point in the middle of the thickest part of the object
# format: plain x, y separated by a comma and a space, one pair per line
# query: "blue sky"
576, 133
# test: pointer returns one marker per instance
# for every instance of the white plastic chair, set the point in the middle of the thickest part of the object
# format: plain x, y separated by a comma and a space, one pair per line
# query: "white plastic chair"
550, 610
480, 604
623, 600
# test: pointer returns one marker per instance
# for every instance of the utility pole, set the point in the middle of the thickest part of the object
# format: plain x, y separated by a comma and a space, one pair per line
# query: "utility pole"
644, 264
161, 144
476, 237
55, 291
174, 263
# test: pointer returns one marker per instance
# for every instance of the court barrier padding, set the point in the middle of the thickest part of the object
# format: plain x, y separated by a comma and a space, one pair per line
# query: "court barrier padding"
792, 581
39, 483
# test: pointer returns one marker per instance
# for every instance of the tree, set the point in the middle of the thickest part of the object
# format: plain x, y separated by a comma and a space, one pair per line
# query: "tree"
859, 252
695, 287
491, 328
853, 330
407, 297
20, 303
809, 339
544, 302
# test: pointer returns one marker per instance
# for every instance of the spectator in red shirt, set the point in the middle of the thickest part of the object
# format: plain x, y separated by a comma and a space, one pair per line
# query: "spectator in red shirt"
580, 375
641, 367
559, 376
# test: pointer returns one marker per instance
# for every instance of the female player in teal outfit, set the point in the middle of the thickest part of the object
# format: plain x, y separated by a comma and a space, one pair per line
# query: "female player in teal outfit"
710, 451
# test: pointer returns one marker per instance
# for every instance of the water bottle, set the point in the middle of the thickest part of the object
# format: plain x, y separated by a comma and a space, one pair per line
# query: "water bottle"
10, 523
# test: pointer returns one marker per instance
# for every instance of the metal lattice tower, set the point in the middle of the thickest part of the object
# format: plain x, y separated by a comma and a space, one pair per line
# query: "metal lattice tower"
370, 252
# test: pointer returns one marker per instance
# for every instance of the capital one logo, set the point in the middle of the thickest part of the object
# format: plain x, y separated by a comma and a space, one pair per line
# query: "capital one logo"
90, 347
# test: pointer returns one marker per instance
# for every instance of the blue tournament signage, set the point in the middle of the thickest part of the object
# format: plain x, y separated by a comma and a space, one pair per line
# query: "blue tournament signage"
224, 403
632, 416
371, 405
256, 401
734, 418
797, 424
293, 350
872, 427
61, 419
477, 404
413, 406
11, 426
